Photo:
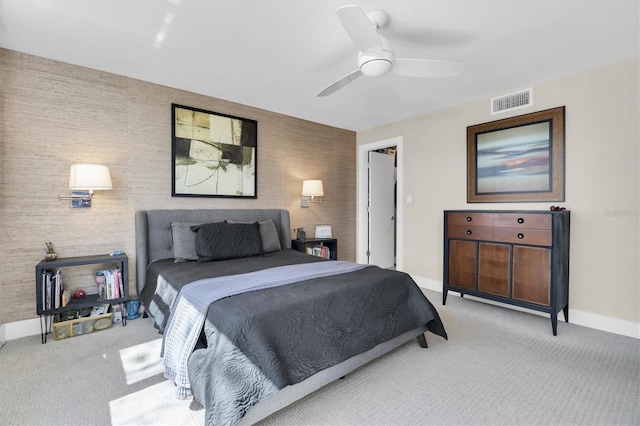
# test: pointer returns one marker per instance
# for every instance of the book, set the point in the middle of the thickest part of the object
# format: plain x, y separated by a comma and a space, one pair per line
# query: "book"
57, 289
121, 283
48, 290
66, 297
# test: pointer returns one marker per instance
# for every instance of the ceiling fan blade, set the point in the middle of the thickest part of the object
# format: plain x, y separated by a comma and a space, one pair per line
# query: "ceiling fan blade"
340, 83
361, 30
429, 68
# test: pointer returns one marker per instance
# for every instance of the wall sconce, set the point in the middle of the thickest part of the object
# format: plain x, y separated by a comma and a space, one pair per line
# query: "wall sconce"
83, 180
310, 190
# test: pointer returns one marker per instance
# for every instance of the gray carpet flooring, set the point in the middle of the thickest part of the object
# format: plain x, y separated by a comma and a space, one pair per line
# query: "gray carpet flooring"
499, 367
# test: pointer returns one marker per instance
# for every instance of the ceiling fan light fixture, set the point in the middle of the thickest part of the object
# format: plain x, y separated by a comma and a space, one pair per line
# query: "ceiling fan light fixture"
375, 67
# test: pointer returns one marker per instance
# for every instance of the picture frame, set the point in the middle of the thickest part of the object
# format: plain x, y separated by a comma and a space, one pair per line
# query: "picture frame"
323, 231
518, 159
213, 154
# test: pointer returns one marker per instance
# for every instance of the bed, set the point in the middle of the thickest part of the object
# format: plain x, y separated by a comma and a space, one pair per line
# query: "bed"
250, 325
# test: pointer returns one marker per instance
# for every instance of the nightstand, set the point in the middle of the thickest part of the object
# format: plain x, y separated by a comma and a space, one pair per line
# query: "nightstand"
49, 287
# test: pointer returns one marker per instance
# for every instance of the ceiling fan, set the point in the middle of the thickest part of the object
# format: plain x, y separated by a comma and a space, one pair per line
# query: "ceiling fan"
376, 58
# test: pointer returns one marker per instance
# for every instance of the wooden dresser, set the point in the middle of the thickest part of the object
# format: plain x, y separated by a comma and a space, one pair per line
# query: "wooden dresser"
515, 257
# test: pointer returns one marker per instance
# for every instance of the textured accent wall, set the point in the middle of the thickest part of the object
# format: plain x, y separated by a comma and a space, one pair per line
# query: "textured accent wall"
55, 114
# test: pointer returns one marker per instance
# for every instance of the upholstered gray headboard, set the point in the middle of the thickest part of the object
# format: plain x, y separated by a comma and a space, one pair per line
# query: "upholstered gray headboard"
153, 230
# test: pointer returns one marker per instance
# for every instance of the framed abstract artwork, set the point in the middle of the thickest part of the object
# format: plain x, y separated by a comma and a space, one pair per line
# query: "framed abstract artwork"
518, 159
214, 155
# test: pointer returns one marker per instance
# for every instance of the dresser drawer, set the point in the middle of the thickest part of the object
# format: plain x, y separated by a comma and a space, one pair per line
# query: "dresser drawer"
536, 237
522, 220
470, 218
470, 232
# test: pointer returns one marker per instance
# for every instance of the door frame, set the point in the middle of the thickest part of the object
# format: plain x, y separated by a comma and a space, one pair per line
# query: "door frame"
362, 194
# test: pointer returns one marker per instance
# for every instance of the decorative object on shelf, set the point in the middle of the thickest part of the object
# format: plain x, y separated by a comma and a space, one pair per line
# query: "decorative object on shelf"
214, 155
323, 231
79, 293
518, 159
83, 180
117, 312
311, 189
300, 234
50, 253
100, 281
132, 307
556, 208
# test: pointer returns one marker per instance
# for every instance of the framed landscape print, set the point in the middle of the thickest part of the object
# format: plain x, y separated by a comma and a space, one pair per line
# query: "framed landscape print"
214, 155
518, 159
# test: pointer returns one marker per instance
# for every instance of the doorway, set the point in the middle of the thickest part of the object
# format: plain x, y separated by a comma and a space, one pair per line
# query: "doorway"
363, 198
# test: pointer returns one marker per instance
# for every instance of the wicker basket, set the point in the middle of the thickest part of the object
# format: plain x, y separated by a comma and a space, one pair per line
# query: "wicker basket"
85, 325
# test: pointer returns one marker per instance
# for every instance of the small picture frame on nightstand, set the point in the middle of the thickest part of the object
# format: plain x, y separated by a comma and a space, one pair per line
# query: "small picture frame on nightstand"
323, 231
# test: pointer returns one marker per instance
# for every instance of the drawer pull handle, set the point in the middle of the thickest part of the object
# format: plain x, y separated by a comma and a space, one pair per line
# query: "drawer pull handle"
520, 220
469, 232
469, 219
520, 236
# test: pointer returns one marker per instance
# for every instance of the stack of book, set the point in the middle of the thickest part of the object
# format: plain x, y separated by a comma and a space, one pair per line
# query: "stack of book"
51, 289
320, 251
113, 286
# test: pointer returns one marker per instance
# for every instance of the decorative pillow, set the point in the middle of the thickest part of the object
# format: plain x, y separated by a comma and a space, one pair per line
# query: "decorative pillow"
222, 240
184, 241
269, 235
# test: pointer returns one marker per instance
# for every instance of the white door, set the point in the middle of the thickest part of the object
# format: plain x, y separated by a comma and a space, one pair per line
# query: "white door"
381, 210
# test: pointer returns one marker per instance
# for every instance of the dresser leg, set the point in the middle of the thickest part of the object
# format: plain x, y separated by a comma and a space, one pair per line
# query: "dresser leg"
554, 323
444, 296
566, 313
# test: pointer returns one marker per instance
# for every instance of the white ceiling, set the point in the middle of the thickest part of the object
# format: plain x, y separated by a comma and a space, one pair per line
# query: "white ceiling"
277, 55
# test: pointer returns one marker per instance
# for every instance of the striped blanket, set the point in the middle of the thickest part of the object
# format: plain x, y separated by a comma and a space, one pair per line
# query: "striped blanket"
190, 308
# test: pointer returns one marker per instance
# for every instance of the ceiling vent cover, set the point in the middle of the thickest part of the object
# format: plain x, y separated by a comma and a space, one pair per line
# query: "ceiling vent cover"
511, 101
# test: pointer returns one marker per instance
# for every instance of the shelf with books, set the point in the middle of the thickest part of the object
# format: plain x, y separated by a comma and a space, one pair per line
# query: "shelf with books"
322, 247
53, 299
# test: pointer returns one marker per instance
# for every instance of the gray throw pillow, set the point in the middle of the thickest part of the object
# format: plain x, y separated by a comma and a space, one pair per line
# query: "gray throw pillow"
184, 241
222, 240
269, 234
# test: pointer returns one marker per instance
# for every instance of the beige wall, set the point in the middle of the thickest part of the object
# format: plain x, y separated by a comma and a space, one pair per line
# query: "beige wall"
602, 186
54, 114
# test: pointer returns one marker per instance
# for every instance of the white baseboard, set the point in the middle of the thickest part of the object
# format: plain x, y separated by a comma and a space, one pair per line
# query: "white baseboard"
18, 329
586, 319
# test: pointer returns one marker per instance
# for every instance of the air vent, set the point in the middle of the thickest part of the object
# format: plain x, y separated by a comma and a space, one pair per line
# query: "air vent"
511, 101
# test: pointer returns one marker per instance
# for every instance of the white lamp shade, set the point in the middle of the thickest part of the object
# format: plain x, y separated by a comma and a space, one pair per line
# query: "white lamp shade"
89, 177
312, 188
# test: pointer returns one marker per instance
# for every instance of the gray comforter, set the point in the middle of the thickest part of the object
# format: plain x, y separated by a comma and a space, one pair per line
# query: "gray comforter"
257, 343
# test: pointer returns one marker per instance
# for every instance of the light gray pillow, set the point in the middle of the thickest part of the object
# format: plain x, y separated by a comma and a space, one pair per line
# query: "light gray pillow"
269, 234
184, 241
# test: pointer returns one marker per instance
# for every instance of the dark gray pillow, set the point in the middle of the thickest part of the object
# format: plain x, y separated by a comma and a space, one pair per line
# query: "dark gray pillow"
184, 241
269, 234
222, 240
